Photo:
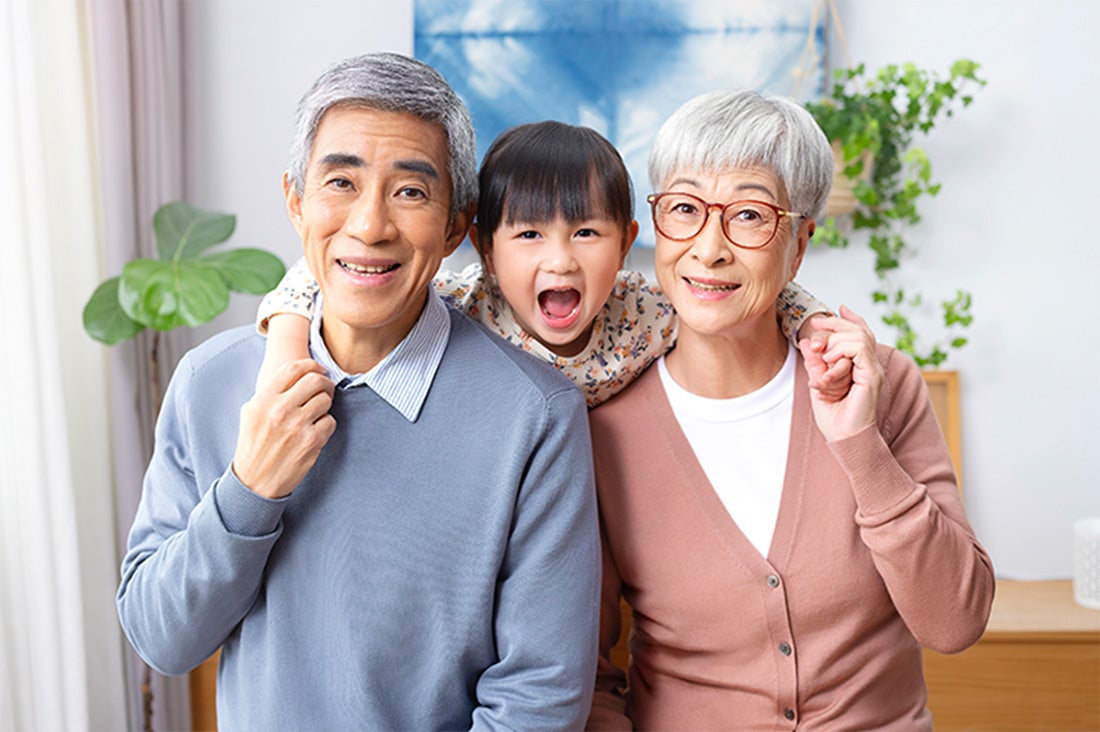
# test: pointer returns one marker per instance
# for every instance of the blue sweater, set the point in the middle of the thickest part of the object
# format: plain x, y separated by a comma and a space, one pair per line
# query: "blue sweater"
441, 574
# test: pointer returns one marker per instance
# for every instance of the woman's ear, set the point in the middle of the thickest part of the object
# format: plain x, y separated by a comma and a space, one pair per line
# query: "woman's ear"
802, 241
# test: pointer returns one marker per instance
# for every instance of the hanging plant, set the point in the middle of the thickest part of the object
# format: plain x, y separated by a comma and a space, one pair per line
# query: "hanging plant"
872, 121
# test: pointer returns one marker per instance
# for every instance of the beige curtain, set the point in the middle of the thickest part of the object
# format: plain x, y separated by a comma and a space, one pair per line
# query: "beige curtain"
136, 48
60, 646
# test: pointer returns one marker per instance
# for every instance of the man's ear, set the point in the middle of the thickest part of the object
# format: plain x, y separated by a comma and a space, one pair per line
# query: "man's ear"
293, 203
629, 236
456, 230
485, 253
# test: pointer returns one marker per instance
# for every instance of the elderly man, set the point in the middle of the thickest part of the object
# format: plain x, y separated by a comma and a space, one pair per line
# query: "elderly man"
413, 543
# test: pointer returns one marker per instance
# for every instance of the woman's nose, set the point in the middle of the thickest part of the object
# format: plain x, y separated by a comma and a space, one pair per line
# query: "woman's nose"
710, 246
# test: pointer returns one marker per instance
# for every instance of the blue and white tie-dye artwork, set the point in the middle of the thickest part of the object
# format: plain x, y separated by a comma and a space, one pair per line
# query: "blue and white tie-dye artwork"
618, 66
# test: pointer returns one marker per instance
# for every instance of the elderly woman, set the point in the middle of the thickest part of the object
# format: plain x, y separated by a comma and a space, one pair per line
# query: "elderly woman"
786, 557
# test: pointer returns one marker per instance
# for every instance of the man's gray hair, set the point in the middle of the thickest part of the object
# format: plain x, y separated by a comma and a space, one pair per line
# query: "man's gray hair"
395, 83
722, 130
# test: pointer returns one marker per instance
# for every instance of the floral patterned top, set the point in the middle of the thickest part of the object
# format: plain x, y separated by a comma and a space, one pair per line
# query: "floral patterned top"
636, 325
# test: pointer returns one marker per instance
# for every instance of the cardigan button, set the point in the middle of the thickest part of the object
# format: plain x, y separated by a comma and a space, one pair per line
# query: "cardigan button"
785, 649
788, 713
773, 581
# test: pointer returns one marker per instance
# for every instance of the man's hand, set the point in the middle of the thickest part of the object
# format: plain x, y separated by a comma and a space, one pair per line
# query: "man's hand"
849, 339
830, 381
283, 428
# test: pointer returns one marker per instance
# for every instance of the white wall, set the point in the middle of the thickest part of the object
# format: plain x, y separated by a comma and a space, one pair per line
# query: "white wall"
1012, 225
248, 62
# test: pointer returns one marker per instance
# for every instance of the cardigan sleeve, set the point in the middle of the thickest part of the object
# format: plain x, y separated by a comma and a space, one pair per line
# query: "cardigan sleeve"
609, 702
196, 554
911, 516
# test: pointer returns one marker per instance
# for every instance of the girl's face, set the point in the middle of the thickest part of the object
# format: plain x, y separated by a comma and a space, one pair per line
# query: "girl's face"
557, 275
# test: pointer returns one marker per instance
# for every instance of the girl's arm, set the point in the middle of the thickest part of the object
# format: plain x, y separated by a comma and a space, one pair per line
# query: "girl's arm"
284, 316
799, 313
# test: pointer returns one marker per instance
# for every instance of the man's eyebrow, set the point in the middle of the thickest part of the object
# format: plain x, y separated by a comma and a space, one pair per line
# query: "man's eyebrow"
417, 166
342, 160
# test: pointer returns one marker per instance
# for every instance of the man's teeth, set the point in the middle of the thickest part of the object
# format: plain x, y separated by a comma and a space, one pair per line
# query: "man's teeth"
366, 269
712, 288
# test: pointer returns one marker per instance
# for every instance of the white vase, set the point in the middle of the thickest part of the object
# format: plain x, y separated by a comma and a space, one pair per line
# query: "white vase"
1086, 562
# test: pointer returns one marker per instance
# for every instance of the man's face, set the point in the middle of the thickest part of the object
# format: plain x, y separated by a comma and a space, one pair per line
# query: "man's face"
374, 218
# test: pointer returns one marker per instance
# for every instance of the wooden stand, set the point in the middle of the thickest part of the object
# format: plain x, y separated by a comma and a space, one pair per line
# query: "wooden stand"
1036, 668
204, 681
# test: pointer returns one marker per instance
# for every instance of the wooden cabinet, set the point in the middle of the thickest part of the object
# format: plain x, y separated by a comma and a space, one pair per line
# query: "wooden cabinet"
204, 680
1036, 668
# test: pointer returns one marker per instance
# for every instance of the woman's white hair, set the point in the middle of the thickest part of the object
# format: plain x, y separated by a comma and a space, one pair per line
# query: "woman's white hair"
722, 130
396, 83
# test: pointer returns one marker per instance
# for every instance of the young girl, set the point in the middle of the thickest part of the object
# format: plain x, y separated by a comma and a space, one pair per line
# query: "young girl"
554, 223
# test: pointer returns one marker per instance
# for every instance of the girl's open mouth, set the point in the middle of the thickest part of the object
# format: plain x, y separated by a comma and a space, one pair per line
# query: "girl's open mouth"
560, 308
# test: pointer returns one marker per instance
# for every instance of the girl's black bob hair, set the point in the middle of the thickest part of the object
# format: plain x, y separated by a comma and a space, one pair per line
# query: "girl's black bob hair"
538, 171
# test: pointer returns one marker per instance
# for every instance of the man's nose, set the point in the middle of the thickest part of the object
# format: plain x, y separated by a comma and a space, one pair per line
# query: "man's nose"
370, 219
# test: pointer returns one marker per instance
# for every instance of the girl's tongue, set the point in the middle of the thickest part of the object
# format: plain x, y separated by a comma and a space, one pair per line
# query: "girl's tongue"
560, 308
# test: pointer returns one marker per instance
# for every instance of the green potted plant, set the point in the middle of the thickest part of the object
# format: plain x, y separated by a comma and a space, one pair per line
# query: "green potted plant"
872, 120
186, 285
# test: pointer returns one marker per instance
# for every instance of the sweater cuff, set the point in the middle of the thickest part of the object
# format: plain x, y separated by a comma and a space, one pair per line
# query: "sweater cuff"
881, 487
243, 512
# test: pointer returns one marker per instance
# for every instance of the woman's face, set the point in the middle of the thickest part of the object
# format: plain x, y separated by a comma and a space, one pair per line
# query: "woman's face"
717, 287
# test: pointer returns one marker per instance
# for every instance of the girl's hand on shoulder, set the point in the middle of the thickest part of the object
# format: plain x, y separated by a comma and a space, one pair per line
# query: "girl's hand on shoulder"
830, 381
849, 347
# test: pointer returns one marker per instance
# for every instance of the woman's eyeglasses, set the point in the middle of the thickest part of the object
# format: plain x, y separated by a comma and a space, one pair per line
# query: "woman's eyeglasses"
747, 224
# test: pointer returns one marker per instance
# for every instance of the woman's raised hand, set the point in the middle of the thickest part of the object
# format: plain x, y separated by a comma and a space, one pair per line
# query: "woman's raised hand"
848, 338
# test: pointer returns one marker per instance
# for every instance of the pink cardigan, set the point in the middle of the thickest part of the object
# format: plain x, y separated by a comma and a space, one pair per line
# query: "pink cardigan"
872, 557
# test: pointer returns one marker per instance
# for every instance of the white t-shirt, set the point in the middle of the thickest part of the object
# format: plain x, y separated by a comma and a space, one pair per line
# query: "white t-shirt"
741, 443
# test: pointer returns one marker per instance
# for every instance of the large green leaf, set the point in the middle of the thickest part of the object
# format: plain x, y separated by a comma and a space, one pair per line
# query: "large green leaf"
184, 232
166, 295
104, 318
253, 271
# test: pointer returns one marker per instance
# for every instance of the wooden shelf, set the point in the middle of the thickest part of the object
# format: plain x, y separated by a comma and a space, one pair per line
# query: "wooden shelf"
1036, 668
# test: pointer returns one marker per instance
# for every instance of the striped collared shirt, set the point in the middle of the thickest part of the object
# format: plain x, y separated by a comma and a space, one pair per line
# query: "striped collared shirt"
404, 376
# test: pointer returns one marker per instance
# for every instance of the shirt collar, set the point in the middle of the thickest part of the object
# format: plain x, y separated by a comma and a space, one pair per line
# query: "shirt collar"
405, 375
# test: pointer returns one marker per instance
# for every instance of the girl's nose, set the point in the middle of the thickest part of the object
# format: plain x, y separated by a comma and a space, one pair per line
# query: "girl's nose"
559, 258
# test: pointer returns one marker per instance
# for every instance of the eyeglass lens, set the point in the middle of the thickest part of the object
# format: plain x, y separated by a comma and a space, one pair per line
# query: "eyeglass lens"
681, 216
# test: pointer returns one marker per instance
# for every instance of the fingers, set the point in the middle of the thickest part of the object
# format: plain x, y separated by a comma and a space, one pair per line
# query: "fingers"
814, 364
852, 316
307, 384
833, 383
285, 376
